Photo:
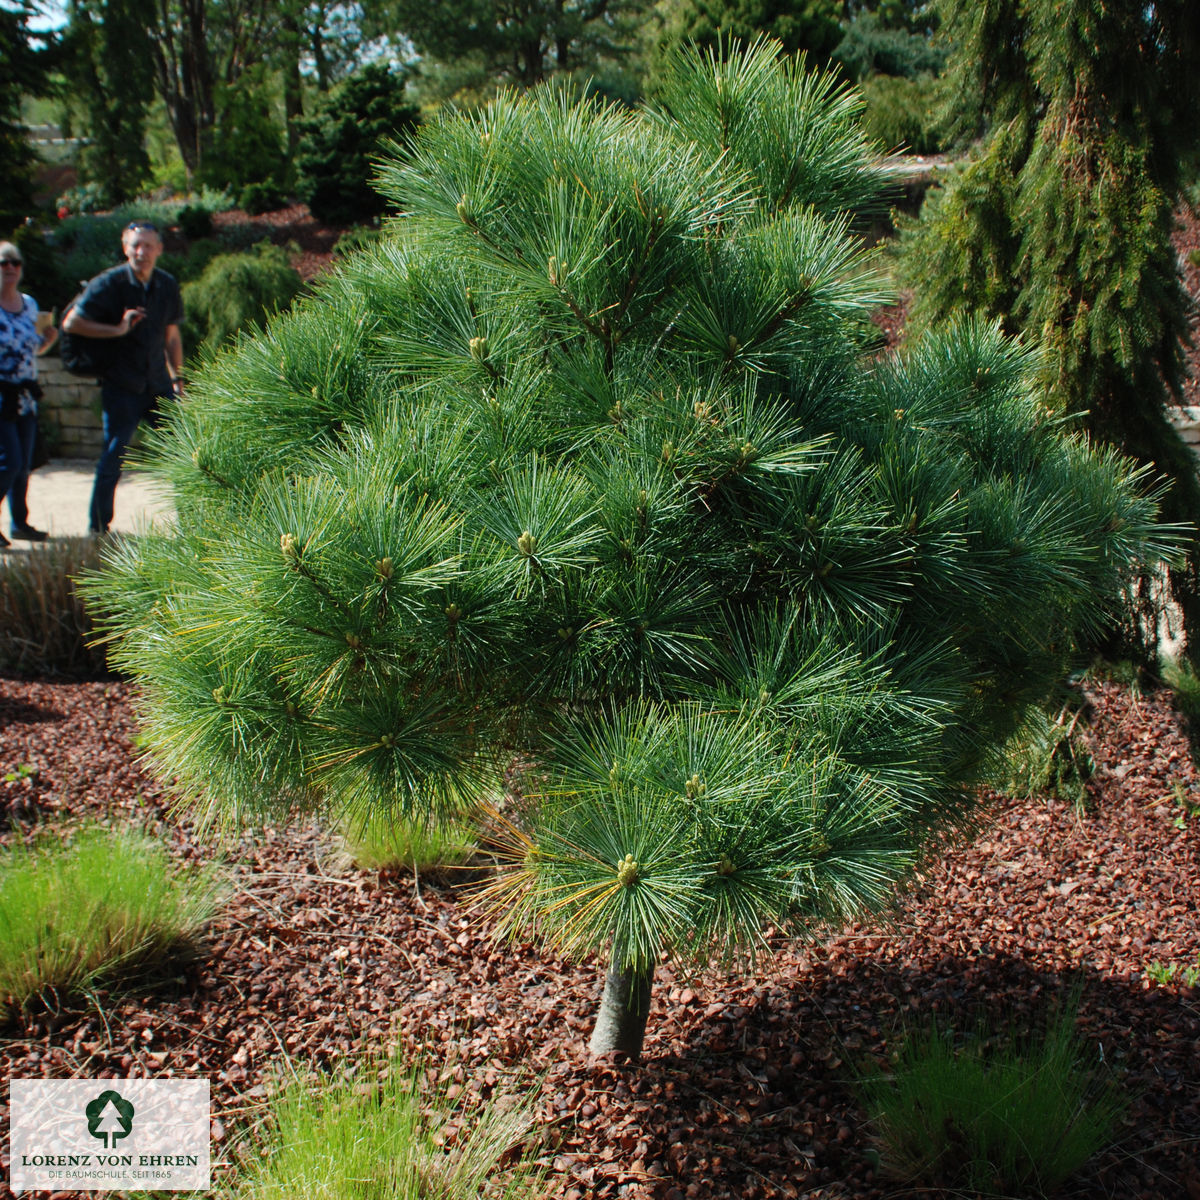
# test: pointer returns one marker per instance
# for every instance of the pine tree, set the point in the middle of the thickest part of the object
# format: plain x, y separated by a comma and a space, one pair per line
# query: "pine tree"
23, 66
1059, 224
808, 25
583, 464
110, 1124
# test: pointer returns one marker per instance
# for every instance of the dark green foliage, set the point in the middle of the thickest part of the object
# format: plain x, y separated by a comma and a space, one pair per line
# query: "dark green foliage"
17, 161
519, 42
24, 72
237, 292
807, 25
192, 262
583, 460
195, 222
901, 113
1060, 223
84, 246
913, 16
1015, 1114
1046, 757
257, 198
988, 78
962, 256
247, 143
109, 67
869, 47
341, 140
243, 236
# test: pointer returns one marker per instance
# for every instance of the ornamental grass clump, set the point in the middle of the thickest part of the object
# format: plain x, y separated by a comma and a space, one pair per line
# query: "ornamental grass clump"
383, 1131
97, 908
410, 843
1012, 1117
44, 626
584, 464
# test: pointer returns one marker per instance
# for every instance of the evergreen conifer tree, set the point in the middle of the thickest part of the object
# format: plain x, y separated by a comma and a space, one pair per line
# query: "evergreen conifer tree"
1059, 224
583, 462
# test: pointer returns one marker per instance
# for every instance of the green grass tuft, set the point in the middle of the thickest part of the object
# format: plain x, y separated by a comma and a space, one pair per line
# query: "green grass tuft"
1012, 1117
1183, 681
405, 843
99, 907
381, 1133
1046, 757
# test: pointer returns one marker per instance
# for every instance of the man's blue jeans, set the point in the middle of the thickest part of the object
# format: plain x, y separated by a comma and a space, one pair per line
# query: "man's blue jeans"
16, 459
123, 411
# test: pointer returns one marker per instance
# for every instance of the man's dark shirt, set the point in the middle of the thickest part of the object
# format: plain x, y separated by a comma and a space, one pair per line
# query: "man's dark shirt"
138, 360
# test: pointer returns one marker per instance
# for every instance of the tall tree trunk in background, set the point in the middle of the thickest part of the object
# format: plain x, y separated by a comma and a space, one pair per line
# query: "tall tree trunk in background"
320, 61
183, 71
200, 50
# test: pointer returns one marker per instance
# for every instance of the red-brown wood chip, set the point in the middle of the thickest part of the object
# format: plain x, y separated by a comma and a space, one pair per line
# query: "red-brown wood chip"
746, 1085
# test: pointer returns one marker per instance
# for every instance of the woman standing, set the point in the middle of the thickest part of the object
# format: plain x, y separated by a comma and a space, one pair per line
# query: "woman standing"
20, 341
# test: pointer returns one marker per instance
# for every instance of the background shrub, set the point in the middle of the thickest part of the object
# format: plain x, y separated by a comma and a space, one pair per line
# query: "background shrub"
243, 236
195, 221
257, 198
85, 246
103, 905
44, 627
870, 46
236, 292
340, 141
1045, 756
900, 113
248, 141
191, 263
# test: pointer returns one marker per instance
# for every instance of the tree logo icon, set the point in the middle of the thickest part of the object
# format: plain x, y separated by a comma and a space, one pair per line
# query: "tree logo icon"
109, 1116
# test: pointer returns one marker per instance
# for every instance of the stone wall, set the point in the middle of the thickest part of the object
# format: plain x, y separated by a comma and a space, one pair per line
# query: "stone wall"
70, 411
1187, 421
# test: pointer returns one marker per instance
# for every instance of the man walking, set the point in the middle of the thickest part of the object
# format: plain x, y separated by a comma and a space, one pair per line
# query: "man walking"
139, 306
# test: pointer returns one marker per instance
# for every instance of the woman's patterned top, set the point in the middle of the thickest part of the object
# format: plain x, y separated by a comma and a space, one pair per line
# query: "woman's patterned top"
19, 341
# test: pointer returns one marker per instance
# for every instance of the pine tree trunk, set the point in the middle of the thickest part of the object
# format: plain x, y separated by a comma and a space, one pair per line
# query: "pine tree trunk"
624, 1010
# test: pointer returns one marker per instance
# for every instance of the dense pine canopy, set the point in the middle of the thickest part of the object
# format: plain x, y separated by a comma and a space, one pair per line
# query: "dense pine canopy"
584, 463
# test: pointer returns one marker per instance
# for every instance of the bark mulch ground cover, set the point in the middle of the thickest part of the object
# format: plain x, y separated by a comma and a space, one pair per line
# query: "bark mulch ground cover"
746, 1085
312, 241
